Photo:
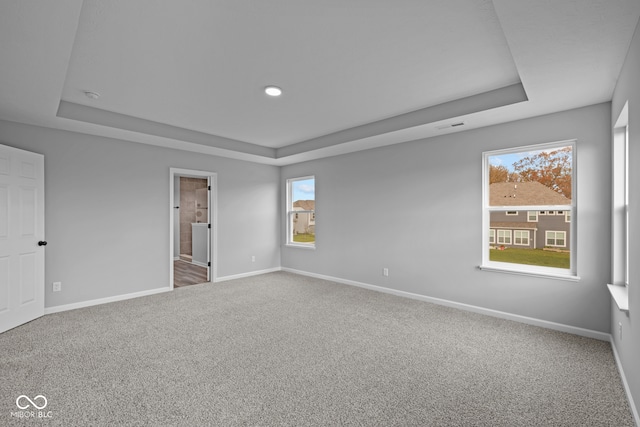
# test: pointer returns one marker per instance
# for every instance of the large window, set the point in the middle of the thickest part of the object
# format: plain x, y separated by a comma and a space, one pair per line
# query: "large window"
620, 230
301, 212
529, 200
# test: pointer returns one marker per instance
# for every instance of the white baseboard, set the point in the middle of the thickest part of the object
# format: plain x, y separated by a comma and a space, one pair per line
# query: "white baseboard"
66, 307
60, 308
481, 310
627, 390
249, 274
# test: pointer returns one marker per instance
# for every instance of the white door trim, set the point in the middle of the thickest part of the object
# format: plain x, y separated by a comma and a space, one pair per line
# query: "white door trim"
213, 217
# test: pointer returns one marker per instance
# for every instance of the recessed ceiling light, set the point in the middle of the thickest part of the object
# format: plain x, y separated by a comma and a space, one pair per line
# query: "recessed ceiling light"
92, 95
273, 91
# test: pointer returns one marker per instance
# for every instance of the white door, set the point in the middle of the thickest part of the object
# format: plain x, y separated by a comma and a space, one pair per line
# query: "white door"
21, 237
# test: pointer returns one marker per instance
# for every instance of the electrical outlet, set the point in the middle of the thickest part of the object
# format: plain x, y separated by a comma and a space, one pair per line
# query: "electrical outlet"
620, 330
253, 258
385, 272
57, 286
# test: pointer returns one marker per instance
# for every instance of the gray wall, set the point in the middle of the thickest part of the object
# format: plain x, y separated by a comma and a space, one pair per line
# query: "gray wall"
410, 196
107, 212
628, 88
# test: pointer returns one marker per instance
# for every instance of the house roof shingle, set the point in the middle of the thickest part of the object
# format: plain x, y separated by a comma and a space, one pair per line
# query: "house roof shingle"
524, 193
306, 205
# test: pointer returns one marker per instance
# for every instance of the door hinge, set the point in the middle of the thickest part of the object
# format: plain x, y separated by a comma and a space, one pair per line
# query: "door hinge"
208, 225
209, 188
209, 264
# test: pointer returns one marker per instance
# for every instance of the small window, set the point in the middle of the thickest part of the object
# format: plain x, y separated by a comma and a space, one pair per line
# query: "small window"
492, 236
504, 237
556, 238
301, 212
512, 213
532, 216
521, 237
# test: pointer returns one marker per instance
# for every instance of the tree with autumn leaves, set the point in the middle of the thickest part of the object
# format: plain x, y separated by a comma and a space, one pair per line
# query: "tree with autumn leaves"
552, 169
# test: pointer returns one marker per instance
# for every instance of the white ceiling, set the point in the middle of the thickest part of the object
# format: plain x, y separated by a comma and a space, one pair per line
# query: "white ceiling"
356, 74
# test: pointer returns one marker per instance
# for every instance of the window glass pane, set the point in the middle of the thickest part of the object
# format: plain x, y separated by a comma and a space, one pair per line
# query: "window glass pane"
302, 205
529, 178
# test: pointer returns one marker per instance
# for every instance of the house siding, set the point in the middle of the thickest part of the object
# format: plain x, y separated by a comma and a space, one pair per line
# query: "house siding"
537, 236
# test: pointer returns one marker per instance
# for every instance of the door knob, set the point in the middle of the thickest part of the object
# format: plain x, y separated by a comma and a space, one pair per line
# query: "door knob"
42, 243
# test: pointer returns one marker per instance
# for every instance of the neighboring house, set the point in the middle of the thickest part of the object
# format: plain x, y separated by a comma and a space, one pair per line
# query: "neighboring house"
304, 222
528, 229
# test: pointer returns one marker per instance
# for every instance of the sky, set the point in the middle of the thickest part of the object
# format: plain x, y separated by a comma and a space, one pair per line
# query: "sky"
507, 160
304, 190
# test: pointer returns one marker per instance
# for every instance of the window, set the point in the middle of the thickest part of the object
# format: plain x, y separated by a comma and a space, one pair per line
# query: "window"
620, 214
556, 238
537, 181
301, 212
521, 237
504, 237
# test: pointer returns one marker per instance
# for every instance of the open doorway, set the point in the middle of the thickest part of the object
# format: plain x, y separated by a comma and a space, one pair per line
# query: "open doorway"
192, 227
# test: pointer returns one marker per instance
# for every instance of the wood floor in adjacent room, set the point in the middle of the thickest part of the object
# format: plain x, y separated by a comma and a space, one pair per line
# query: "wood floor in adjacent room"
185, 274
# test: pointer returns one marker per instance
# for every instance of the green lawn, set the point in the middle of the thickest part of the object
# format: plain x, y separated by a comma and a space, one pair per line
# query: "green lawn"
531, 257
304, 238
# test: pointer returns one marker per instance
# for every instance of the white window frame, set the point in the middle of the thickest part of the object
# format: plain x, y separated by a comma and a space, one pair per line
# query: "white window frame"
529, 216
531, 270
555, 238
291, 214
511, 213
516, 237
492, 236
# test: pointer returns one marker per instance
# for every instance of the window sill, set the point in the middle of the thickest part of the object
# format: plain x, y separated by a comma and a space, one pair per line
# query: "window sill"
301, 246
620, 294
541, 272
